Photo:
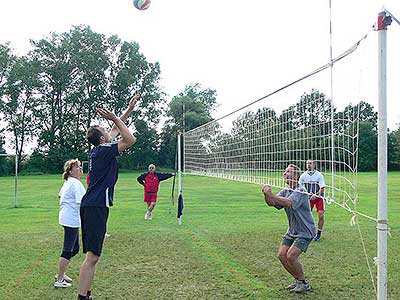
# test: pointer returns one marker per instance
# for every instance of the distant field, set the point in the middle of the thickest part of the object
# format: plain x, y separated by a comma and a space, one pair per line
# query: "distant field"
225, 249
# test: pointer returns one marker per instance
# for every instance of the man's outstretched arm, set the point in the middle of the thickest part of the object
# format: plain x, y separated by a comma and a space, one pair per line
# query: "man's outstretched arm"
114, 130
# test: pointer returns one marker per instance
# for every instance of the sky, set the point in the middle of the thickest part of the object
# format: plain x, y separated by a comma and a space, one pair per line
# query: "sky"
243, 50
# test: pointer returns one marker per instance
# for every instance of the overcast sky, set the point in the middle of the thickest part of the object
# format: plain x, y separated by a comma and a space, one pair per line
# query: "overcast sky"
242, 49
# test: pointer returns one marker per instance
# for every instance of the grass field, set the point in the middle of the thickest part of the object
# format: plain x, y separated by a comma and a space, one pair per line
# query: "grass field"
225, 249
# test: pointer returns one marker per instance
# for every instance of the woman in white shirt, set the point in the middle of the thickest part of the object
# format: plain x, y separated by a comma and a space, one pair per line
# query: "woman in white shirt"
70, 194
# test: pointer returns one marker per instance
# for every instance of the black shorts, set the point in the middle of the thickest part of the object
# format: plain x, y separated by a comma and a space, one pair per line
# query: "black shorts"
94, 227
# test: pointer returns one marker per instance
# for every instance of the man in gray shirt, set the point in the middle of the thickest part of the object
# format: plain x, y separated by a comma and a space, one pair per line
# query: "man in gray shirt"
294, 199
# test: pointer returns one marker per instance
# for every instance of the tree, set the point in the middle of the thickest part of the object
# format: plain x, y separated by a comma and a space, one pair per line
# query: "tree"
3, 160
189, 109
19, 103
145, 149
367, 151
71, 68
394, 150
367, 135
82, 69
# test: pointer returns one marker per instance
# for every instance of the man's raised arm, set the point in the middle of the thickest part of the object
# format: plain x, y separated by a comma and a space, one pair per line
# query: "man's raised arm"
114, 130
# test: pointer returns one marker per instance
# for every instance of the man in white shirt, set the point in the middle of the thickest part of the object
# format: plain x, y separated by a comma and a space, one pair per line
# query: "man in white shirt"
314, 183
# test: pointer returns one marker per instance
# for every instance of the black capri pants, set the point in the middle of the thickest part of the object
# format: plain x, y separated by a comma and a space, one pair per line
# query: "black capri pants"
71, 242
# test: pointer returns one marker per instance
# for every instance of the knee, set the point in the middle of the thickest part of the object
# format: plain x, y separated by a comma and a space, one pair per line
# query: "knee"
291, 258
92, 259
282, 257
321, 215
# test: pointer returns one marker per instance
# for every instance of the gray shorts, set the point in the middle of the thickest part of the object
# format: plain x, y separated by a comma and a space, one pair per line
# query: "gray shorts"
300, 243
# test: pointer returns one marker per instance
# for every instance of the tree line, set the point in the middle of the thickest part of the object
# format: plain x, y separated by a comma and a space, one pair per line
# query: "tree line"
49, 96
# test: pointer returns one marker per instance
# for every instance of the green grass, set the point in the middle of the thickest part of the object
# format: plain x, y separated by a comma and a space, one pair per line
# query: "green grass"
225, 249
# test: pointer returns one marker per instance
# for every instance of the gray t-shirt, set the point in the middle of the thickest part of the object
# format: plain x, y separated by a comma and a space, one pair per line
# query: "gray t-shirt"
301, 221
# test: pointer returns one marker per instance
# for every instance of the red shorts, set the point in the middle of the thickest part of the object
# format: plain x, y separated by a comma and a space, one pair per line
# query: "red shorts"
150, 197
319, 203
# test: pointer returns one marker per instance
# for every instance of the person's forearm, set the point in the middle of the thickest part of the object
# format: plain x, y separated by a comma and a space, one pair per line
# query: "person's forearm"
268, 200
114, 130
126, 114
281, 201
126, 135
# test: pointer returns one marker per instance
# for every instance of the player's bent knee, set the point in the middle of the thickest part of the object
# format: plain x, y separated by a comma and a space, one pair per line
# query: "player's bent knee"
291, 258
282, 256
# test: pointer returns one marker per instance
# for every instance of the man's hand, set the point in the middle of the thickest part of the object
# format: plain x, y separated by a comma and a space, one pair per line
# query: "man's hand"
106, 114
267, 190
133, 101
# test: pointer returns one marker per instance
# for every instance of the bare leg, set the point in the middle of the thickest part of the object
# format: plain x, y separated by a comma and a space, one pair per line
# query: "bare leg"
295, 265
86, 273
151, 206
282, 255
321, 219
62, 266
289, 258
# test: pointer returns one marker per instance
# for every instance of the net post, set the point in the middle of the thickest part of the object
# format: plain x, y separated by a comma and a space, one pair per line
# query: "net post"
332, 107
179, 171
16, 182
381, 26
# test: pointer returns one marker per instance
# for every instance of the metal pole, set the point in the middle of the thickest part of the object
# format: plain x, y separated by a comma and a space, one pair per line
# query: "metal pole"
332, 109
16, 182
183, 136
381, 27
179, 171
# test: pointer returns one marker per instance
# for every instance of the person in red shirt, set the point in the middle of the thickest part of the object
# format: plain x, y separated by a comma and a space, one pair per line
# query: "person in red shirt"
151, 182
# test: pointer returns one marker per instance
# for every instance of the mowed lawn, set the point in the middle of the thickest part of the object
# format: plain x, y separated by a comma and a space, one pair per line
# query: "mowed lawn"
225, 249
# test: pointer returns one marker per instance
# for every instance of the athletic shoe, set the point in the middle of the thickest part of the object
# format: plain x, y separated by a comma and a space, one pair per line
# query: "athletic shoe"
107, 235
61, 284
301, 287
66, 278
146, 216
317, 238
150, 216
292, 285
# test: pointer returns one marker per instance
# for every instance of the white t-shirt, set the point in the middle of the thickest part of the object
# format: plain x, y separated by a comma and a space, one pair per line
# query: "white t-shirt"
312, 181
71, 194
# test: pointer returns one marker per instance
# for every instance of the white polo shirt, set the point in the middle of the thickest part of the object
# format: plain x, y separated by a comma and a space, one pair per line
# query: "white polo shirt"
71, 194
312, 181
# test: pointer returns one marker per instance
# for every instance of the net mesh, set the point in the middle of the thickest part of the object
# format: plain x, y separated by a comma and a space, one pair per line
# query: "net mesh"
257, 145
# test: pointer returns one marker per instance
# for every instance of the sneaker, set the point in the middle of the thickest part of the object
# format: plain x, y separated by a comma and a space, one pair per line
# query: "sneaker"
66, 278
107, 235
301, 287
317, 238
150, 216
292, 285
61, 284
146, 216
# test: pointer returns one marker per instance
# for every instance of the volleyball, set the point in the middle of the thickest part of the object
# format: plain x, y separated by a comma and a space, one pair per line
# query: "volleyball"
141, 4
